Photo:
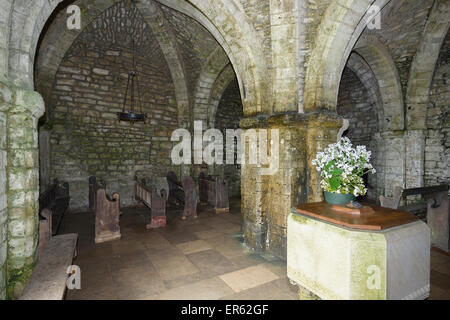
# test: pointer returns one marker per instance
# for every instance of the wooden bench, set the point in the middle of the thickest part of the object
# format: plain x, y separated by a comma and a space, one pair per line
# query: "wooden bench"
190, 196
176, 192
49, 277
434, 210
183, 194
107, 211
214, 191
56, 199
149, 196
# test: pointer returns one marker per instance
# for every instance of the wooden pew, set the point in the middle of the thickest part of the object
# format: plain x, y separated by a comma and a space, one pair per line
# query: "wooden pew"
176, 192
56, 199
190, 196
154, 201
434, 210
214, 191
107, 211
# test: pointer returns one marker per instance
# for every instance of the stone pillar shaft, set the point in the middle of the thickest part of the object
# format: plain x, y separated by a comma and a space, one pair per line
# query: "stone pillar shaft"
22, 187
267, 199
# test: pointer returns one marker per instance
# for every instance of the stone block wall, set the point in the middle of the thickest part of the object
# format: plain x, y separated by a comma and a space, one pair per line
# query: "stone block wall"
437, 143
86, 137
3, 209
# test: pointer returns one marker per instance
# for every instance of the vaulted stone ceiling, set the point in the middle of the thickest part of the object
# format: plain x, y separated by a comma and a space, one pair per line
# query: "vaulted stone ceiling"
194, 42
402, 27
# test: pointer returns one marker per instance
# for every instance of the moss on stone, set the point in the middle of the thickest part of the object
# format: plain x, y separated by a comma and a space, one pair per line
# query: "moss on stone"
17, 278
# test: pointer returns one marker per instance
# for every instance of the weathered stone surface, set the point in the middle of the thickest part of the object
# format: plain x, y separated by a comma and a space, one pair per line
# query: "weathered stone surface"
48, 281
339, 263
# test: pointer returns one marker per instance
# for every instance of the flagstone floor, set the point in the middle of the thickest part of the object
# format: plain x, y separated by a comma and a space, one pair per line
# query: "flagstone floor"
201, 258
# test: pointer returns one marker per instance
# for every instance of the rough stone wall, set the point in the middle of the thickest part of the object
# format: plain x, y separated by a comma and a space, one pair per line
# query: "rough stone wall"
3, 209
356, 105
437, 145
229, 113
87, 139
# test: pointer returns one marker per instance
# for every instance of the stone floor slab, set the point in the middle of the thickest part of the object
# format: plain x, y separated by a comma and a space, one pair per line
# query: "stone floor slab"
248, 278
193, 246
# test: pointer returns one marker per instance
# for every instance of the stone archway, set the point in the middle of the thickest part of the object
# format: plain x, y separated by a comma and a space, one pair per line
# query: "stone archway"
210, 73
423, 65
337, 34
238, 38
388, 80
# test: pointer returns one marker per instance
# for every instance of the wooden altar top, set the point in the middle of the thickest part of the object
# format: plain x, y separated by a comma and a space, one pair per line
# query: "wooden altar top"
376, 218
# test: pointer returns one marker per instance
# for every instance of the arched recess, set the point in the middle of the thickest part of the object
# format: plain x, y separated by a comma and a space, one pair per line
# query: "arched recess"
58, 39
27, 21
380, 61
365, 74
341, 26
423, 65
229, 26
240, 42
213, 67
223, 80
363, 110
55, 44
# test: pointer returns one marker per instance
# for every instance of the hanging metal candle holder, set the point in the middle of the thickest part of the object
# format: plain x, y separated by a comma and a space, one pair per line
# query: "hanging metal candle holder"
132, 84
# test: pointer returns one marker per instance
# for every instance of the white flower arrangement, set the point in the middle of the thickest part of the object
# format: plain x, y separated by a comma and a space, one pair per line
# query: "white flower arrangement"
342, 167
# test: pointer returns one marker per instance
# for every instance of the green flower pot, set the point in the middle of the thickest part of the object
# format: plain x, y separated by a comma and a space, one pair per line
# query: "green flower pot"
338, 198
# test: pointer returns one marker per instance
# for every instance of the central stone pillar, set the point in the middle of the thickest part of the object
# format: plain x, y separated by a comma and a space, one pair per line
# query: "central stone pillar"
267, 198
22, 187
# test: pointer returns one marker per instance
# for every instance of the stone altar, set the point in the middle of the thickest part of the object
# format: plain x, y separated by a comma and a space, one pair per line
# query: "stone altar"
363, 257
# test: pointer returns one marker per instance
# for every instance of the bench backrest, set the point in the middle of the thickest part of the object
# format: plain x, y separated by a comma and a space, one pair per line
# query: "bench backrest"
95, 183
150, 197
400, 193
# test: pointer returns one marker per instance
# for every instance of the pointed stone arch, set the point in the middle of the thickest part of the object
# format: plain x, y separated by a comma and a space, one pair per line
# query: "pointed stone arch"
227, 23
362, 70
165, 35
341, 26
57, 44
424, 63
380, 61
213, 67
220, 85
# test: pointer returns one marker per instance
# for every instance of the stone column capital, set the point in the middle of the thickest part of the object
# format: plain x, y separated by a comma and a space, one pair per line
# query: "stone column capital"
324, 118
13, 99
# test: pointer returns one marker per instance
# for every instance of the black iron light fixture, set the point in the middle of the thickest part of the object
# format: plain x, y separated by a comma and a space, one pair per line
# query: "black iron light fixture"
133, 87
